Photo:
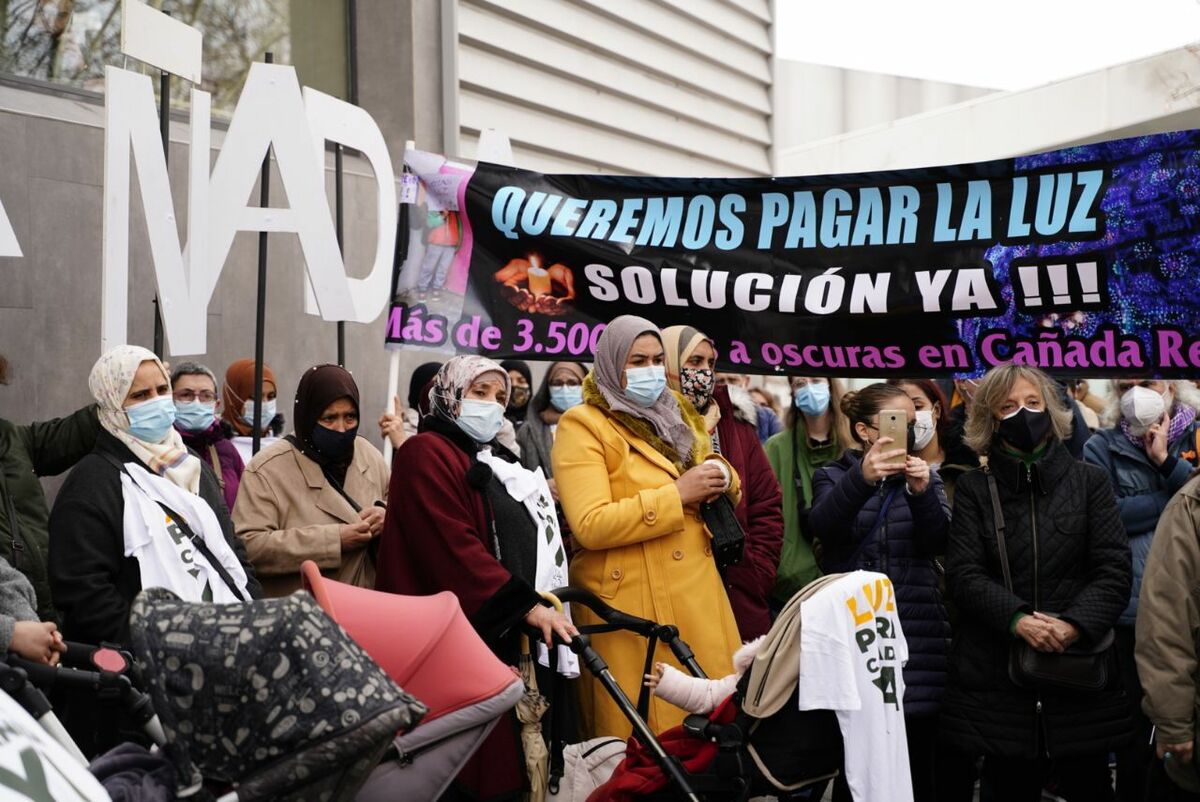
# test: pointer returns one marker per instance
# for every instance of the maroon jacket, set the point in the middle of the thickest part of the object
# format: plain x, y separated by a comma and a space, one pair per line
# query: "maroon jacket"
229, 465
436, 537
749, 583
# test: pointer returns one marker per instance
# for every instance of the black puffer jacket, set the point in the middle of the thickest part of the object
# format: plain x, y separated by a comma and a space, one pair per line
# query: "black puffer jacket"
912, 530
1069, 555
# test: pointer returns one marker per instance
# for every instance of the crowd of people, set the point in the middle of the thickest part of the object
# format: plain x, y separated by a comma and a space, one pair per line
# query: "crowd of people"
1019, 518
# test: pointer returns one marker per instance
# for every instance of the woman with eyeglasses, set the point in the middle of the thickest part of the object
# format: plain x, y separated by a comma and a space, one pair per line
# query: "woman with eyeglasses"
197, 411
875, 512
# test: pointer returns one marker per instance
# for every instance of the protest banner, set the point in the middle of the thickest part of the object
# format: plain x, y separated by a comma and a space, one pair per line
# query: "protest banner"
1081, 261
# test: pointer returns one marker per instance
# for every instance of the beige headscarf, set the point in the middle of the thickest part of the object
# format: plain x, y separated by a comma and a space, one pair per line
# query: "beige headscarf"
110, 380
678, 344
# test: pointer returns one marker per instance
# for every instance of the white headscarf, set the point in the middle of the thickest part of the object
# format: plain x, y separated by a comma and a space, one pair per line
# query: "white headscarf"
109, 381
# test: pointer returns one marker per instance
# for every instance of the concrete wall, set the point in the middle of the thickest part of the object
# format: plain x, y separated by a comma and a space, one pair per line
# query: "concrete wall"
815, 102
674, 87
1150, 95
52, 150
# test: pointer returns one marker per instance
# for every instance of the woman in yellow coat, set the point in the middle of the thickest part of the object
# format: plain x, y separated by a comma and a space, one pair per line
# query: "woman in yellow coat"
632, 465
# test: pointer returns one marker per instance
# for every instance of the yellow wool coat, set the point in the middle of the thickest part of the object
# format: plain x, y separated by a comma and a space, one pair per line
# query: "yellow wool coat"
643, 552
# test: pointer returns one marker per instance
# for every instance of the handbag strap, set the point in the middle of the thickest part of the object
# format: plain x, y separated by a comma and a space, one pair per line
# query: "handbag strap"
197, 541
998, 523
341, 490
215, 459
203, 548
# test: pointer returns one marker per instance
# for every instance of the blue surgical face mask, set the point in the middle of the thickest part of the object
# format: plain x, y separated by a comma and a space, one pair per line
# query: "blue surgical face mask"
194, 416
150, 420
481, 420
812, 399
566, 396
267, 416
643, 386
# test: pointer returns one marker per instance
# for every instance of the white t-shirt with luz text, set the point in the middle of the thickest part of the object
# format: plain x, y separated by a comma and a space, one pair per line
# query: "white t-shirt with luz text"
852, 652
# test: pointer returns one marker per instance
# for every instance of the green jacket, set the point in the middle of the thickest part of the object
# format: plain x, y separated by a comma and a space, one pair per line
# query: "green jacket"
42, 448
786, 451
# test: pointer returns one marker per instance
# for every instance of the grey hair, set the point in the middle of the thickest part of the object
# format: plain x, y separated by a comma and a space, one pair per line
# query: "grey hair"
1185, 391
194, 369
994, 390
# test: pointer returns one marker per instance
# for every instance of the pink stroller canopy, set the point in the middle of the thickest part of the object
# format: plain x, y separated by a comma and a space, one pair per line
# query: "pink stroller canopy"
424, 643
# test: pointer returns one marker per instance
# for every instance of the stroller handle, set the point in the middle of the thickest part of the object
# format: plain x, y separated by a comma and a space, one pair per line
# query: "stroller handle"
609, 614
138, 704
667, 633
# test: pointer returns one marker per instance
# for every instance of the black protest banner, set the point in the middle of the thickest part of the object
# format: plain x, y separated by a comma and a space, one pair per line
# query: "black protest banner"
1081, 261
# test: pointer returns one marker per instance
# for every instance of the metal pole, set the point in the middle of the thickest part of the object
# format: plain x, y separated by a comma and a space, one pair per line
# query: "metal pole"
352, 96
164, 129
260, 312
398, 259
339, 209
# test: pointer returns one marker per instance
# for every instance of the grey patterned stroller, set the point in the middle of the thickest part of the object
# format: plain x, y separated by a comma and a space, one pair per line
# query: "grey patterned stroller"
268, 700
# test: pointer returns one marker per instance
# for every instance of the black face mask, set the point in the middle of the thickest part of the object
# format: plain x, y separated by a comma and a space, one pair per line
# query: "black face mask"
1026, 430
333, 444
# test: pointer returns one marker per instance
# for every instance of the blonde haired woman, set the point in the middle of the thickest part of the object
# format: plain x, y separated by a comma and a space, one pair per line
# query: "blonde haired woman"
1070, 579
633, 463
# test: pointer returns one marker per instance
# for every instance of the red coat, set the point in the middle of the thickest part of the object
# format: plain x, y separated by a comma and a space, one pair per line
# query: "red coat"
749, 583
434, 539
639, 775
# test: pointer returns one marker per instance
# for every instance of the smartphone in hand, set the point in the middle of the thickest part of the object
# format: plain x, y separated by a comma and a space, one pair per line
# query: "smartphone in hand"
893, 423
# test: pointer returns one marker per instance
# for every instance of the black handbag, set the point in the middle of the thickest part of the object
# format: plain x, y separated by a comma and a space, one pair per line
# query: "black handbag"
728, 539
1084, 666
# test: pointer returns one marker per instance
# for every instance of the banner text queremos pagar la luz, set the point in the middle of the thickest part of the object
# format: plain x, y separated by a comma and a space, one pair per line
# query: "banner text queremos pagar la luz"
1082, 261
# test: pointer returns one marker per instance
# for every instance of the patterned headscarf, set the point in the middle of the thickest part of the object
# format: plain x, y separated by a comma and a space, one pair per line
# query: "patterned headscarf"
679, 342
664, 415
109, 381
455, 377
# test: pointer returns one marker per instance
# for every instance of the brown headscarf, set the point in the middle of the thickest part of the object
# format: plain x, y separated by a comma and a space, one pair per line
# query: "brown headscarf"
238, 389
319, 387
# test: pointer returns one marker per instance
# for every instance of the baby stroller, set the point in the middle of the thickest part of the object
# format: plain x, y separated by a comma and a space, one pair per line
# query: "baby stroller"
266, 700
758, 743
426, 644
104, 672
39, 758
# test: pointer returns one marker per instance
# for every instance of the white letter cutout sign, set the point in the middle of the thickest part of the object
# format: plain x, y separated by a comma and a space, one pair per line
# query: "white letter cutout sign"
338, 121
270, 114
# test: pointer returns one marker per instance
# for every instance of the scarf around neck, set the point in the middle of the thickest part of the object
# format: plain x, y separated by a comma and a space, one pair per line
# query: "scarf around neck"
700, 448
665, 417
1180, 421
109, 381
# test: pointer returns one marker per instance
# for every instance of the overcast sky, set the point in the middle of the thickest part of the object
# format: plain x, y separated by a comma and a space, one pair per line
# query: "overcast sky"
1013, 44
